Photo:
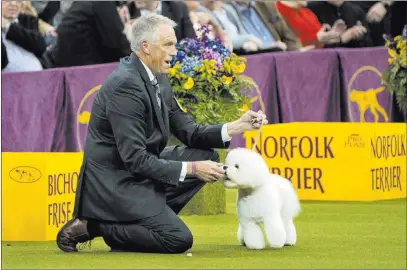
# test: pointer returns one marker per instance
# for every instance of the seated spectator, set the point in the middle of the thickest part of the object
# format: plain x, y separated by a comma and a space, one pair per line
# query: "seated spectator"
357, 33
21, 39
220, 15
91, 32
201, 18
51, 12
262, 20
306, 26
378, 18
175, 10
47, 31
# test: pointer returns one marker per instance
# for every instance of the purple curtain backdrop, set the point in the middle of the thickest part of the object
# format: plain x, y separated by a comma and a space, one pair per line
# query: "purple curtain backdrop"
81, 88
47, 111
362, 85
32, 104
261, 69
308, 86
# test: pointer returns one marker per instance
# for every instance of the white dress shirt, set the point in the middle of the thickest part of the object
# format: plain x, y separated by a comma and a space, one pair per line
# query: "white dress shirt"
224, 132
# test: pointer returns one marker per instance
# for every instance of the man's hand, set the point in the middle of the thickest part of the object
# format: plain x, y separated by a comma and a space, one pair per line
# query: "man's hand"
376, 13
249, 121
281, 45
331, 35
208, 171
355, 32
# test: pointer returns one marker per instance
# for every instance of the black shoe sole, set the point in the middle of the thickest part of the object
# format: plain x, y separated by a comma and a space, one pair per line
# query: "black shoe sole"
59, 235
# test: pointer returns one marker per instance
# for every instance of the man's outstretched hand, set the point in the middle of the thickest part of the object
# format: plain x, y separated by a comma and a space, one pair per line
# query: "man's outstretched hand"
249, 121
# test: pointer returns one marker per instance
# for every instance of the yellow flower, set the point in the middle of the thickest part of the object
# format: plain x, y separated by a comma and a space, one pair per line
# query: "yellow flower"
391, 61
404, 62
189, 84
398, 38
227, 80
237, 69
245, 107
172, 72
208, 67
392, 53
175, 71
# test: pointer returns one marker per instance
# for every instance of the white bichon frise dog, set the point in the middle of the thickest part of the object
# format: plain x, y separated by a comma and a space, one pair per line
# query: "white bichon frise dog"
262, 198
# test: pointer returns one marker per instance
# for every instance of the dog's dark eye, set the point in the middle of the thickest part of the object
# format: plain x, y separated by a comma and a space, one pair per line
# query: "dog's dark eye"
236, 166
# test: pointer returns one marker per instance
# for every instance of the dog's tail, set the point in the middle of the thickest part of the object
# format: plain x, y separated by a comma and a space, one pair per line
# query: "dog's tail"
292, 206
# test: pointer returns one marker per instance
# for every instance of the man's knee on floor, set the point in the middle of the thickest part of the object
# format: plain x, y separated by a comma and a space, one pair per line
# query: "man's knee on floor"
180, 243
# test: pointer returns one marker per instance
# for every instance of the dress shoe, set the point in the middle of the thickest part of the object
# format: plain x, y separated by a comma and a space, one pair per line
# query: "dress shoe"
73, 232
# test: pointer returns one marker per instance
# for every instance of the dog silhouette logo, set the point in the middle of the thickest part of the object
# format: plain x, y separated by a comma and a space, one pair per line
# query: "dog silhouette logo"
367, 99
83, 115
25, 174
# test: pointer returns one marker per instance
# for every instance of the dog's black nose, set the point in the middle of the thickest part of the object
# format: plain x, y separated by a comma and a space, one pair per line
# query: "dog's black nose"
225, 167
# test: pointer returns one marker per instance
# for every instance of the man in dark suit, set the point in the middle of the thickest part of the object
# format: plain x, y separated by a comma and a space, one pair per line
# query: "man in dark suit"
131, 187
91, 32
175, 10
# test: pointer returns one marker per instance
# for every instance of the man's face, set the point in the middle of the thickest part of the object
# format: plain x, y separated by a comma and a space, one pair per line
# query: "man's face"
10, 9
162, 52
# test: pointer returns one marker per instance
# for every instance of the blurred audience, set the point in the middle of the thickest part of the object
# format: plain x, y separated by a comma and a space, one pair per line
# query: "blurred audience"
47, 31
357, 33
261, 19
51, 12
306, 26
46, 34
175, 10
398, 17
377, 17
21, 39
222, 15
89, 33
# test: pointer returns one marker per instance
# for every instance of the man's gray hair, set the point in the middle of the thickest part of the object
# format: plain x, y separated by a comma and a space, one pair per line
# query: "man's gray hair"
144, 28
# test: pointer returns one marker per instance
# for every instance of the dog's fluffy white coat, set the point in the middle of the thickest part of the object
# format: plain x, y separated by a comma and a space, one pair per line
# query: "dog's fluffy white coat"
262, 198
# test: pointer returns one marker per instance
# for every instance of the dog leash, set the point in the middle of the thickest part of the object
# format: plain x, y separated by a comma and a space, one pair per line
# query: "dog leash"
258, 134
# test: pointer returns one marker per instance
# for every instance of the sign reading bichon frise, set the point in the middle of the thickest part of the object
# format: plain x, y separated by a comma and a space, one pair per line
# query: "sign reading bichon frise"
262, 198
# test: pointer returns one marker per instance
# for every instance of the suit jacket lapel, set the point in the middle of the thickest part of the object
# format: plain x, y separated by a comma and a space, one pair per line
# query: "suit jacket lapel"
151, 92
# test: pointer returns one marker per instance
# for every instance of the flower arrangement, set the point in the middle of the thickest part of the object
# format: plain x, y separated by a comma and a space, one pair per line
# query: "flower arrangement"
395, 77
207, 80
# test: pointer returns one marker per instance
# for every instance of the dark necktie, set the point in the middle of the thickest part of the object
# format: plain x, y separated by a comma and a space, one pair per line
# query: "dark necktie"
157, 91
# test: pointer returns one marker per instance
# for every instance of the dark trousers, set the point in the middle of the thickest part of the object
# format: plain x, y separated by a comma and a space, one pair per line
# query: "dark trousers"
166, 232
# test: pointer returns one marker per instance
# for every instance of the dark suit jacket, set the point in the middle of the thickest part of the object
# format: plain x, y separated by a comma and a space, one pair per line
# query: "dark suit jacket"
91, 32
25, 34
4, 56
176, 11
277, 25
122, 177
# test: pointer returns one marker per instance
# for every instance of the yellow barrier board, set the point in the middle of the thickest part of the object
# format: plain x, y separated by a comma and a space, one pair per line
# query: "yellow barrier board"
38, 192
324, 161
337, 161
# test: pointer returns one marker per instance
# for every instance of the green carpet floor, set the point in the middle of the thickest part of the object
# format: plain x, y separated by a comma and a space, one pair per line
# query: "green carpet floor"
330, 235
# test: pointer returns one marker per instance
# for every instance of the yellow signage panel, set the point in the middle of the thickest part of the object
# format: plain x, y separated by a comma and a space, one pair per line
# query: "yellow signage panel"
337, 161
38, 192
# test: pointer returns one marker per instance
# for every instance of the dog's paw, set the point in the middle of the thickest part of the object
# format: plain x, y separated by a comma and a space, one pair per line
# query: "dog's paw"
255, 247
276, 246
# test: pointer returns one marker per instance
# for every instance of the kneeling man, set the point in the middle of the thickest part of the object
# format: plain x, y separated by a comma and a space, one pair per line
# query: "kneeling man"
131, 187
